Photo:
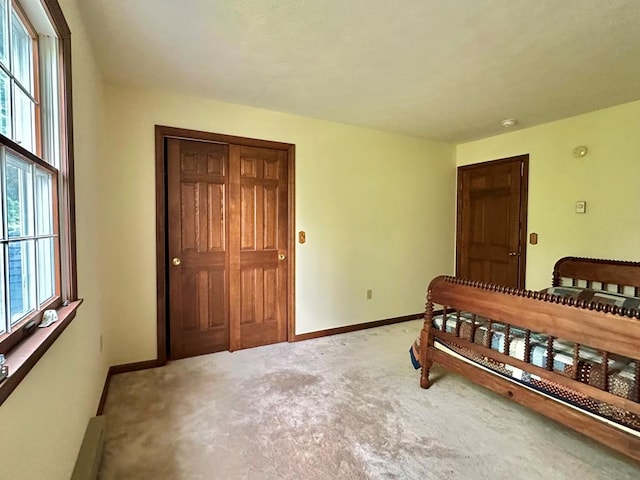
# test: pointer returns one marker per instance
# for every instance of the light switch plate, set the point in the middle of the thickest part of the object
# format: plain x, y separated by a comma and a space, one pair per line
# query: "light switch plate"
581, 206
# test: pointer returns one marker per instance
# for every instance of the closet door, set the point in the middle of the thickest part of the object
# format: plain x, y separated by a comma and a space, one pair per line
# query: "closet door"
228, 265
258, 245
197, 247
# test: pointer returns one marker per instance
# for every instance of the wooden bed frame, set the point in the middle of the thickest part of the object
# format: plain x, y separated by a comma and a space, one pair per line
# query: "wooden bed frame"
606, 328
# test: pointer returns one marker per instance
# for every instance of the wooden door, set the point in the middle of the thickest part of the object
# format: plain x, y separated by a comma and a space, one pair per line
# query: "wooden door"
227, 255
258, 241
491, 229
198, 174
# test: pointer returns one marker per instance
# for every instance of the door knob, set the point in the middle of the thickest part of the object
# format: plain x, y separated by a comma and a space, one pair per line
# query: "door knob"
281, 256
176, 261
513, 254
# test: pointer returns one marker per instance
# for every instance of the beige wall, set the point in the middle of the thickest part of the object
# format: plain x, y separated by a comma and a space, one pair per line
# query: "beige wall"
43, 421
377, 208
607, 178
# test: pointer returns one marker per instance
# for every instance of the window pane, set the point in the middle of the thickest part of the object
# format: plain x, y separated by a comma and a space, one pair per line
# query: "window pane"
19, 197
48, 48
21, 56
3, 318
24, 116
5, 104
4, 33
3, 232
22, 292
46, 269
44, 203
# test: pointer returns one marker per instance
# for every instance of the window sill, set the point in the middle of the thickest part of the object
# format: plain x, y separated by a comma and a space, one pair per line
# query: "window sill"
26, 354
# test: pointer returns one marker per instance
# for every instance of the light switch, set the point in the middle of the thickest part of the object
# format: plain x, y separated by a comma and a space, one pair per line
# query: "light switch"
302, 236
581, 206
533, 238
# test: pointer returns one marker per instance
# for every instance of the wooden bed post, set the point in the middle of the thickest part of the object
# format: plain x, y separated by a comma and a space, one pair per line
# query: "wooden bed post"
426, 342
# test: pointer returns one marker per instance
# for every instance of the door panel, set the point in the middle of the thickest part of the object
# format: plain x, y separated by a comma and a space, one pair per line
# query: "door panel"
260, 321
198, 302
248, 217
260, 259
270, 230
492, 221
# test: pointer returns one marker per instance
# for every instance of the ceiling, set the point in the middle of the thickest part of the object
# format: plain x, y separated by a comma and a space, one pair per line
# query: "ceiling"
442, 70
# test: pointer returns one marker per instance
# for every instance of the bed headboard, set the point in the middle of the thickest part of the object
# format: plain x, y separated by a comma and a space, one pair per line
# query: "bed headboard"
613, 275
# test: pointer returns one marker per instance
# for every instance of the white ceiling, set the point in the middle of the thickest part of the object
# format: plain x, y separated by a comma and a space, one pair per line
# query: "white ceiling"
446, 70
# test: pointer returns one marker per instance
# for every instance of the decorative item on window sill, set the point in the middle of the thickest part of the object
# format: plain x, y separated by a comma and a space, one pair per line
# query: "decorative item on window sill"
4, 369
48, 318
580, 151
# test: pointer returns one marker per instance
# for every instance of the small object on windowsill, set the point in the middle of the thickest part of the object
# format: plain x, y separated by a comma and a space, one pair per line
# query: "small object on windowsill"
4, 369
48, 318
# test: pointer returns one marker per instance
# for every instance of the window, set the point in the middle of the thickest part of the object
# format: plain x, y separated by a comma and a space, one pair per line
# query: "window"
18, 86
36, 181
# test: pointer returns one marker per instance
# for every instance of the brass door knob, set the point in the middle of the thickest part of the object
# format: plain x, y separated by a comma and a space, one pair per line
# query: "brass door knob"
281, 256
176, 261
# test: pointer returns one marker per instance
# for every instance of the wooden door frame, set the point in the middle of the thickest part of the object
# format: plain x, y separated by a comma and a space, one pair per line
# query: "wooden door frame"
162, 261
524, 195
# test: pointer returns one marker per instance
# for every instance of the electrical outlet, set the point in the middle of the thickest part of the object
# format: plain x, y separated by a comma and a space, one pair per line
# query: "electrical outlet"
369, 294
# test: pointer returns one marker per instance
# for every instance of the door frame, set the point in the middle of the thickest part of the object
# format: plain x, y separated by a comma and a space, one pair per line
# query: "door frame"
162, 260
524, 204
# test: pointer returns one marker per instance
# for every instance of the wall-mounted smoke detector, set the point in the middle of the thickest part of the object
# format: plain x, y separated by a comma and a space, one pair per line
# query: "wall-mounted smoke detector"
509, 122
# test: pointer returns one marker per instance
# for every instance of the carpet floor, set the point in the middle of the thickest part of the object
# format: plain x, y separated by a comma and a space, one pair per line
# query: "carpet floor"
341, 407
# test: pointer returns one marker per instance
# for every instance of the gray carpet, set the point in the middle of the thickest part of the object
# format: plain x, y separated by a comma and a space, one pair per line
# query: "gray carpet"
347, 406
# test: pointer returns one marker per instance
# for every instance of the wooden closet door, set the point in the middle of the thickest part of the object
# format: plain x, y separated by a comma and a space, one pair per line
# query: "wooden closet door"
197, 247
258, 245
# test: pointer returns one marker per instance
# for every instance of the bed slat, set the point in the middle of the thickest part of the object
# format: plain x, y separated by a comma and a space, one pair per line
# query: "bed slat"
550, 353
443, 327
488, 338
527, 346
636, 393
605, 371
473, 329
507, 340
576, 360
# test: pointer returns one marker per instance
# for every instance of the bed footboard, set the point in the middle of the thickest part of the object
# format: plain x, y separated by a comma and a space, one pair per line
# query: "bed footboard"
481, 321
